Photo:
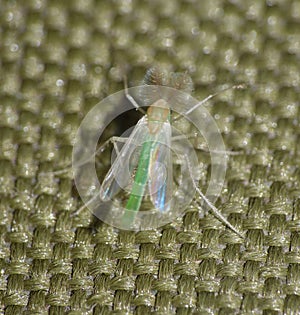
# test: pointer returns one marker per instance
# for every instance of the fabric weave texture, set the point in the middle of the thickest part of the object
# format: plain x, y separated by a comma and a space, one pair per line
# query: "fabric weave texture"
60, 58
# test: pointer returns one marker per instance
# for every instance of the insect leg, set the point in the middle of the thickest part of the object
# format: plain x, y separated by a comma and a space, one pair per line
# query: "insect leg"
233, 87
112, 140
195, 135
131, 99
214, 210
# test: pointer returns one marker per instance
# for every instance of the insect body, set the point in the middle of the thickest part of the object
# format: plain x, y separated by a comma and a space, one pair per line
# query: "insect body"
154, 165
144, 167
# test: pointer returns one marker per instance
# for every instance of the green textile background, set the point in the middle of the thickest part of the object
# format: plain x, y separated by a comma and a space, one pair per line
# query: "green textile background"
57, 60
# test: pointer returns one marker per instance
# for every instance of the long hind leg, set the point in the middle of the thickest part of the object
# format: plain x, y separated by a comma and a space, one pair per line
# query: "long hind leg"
113, 140
214, 210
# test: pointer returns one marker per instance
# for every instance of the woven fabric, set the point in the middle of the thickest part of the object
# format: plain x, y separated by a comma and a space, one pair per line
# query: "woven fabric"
60, 58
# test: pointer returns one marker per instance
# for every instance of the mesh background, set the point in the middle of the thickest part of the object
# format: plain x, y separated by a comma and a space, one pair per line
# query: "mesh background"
58, 59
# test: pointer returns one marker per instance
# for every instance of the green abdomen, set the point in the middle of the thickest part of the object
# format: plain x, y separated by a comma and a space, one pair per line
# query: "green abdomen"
140, 179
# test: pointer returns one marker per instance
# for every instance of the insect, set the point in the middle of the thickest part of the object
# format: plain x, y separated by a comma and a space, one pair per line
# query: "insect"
144, 164
153, 166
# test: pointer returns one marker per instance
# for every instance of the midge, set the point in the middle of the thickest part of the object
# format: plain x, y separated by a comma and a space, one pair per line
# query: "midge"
147, 152
143, 167
150, 130
151, 167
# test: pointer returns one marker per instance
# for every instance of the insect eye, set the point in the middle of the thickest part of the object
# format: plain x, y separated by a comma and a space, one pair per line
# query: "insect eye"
155, 76
182, 82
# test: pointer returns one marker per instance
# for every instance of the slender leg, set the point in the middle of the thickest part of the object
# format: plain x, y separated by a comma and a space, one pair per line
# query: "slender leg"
112, 140
195, 135
131, 99
214, 210
238, 86
76, 212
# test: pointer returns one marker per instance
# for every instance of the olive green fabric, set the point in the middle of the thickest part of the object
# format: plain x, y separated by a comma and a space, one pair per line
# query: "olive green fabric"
60, 58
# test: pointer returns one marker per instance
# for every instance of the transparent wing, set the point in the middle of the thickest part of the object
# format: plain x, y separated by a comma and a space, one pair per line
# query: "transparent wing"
160, 180
120, 174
